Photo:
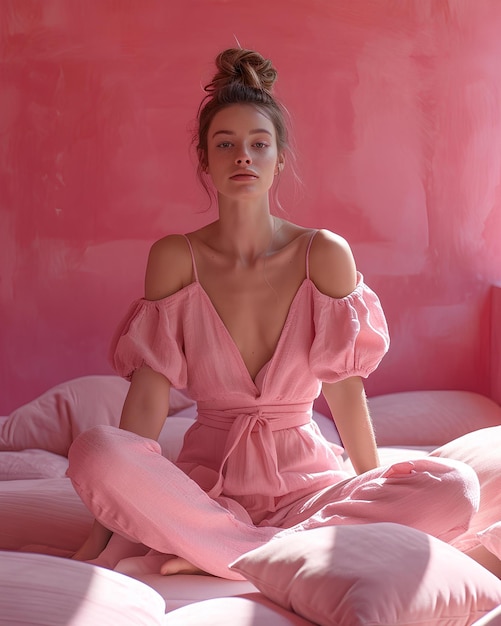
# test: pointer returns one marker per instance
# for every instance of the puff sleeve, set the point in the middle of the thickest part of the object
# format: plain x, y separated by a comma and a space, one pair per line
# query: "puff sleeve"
351, 334
151, 334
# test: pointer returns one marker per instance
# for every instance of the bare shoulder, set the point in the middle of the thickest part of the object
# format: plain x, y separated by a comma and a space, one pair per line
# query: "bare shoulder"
169, 267
332, 266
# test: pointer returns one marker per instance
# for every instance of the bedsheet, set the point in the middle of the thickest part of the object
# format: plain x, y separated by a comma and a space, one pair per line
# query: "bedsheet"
41, 515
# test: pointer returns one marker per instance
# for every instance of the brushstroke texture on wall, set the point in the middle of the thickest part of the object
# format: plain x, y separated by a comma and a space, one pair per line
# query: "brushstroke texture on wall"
397, 121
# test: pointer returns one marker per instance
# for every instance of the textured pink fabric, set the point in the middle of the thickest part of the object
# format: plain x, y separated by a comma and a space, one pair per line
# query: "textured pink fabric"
257, 460
183, 337
135, 491
254, 440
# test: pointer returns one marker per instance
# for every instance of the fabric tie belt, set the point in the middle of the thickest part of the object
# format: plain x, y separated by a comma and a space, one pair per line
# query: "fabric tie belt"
250, 462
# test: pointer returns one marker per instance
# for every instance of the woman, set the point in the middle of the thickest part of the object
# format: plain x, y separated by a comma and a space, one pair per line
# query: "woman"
254, 315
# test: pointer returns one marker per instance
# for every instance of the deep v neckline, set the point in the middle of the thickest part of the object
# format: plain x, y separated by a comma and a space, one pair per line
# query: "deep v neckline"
232, 342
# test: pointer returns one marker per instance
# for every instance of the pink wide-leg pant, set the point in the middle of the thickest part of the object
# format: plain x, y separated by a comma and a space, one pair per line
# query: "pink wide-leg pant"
134, 491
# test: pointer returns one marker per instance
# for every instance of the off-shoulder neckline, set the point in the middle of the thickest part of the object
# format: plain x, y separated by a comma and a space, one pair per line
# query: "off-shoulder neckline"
306, 283
194, 284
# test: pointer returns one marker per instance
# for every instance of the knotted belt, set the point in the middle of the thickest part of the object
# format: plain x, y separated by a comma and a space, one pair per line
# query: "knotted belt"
250, 463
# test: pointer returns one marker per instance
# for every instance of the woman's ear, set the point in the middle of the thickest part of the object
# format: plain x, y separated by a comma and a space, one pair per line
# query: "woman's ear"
280, 164
202, 160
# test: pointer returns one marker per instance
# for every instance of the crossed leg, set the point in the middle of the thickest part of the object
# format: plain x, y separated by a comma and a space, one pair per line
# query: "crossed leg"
133, 490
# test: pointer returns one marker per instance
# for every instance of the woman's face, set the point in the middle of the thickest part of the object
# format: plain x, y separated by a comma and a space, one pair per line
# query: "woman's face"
242, 155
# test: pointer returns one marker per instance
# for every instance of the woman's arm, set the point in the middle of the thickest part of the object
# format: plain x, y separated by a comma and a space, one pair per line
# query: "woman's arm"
333, 270
147, 403
348, 405
144, 413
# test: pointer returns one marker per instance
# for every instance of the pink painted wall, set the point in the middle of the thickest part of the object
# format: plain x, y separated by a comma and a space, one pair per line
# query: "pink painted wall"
397, 120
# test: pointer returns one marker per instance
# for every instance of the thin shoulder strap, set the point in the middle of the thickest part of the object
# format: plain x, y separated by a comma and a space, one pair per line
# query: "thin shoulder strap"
195, 273
308, 254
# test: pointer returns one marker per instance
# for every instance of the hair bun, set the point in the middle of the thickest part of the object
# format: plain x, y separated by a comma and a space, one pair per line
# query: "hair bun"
245, 67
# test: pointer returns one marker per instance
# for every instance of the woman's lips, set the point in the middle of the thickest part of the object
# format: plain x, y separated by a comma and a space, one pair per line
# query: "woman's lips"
245, 177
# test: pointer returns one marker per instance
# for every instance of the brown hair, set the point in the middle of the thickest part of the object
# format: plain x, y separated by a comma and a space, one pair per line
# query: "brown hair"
242, 77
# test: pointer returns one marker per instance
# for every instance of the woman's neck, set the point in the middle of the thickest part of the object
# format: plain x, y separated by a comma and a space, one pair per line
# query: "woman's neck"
245, 230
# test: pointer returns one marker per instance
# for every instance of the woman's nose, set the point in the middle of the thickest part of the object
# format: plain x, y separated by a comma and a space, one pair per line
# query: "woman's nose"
243, 159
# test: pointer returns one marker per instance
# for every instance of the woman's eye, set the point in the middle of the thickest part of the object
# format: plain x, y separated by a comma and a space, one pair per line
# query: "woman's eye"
224, 144
261, 144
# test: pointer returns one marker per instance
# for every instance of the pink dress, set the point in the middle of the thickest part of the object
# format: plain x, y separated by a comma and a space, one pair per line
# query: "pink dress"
254, 440
254, 451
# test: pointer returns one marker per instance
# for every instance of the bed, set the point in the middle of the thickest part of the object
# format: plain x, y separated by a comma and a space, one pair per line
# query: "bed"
352, 575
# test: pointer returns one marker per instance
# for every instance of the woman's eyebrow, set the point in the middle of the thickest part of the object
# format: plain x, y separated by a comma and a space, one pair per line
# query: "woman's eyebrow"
255, 131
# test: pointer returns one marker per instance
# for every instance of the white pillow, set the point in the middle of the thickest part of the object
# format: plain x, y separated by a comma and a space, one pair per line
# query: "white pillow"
382, 573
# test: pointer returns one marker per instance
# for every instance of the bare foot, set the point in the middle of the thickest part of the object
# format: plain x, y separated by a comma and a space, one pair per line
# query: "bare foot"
177, 565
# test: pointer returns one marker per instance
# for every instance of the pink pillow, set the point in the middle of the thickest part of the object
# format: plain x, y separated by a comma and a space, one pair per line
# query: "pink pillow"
172, 435
327, 427
52, 421
493, 618
371, 574
28, 464
47, 590
430, 418
44, 512
481, 450
491, 539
